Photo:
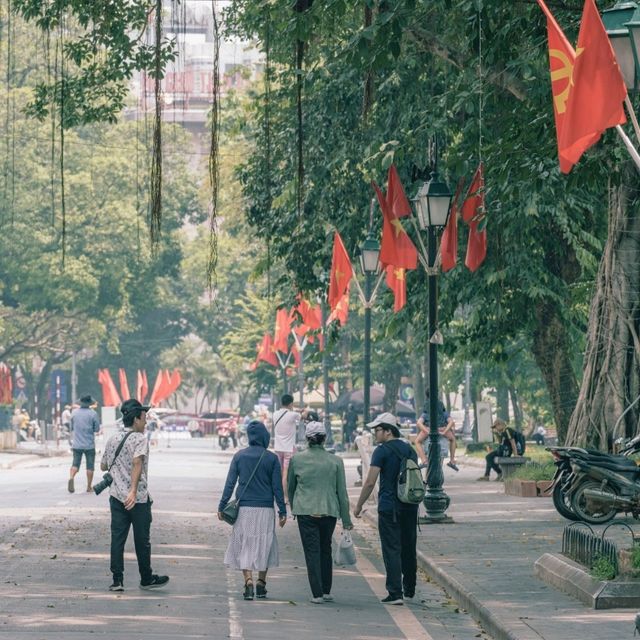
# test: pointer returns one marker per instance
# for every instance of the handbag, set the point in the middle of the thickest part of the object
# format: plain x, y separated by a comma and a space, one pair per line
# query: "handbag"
230, 512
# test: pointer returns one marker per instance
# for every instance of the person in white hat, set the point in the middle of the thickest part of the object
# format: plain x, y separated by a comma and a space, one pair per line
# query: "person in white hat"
397, 521
318, 496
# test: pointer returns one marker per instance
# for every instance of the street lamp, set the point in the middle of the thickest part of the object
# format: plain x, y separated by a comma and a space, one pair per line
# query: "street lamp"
622, 23
433, 204
369, 254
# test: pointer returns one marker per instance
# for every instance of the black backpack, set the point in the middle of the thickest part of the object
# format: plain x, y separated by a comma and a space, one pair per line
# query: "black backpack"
521, 443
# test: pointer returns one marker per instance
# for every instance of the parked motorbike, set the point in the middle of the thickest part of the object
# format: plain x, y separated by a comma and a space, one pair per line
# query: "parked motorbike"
571, 474
602, 488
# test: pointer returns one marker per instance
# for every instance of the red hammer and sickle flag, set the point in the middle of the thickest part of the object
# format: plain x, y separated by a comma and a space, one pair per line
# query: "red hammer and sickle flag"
590, 100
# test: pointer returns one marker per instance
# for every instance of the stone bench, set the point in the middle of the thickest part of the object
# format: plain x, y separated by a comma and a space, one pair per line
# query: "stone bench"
510, 464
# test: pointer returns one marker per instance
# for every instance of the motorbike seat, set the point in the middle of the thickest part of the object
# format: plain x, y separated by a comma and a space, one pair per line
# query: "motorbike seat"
623, 465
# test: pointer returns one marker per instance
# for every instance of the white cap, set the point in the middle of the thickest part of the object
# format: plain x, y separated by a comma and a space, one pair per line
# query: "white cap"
314, 428
384, 418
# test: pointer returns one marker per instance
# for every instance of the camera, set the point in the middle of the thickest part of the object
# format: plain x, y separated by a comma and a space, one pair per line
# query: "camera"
106, 481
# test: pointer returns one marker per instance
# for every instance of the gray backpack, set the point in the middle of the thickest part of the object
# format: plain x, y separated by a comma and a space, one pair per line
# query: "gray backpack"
410, 485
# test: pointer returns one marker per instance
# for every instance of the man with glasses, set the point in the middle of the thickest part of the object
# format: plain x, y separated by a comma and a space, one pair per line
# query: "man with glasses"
397, 521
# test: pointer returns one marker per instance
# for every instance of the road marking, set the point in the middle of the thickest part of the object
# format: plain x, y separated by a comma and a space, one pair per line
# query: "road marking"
404, 618
235, 628
62, 503
21, 530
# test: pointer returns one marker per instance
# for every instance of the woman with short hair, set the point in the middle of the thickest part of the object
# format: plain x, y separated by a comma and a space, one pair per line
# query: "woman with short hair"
317, 492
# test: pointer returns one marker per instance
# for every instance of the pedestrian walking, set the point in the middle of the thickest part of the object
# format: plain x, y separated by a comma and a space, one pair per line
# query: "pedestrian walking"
285, 425
318, 493
126, 458
349, 425
253, 545
84, 424
397, 521
364, 445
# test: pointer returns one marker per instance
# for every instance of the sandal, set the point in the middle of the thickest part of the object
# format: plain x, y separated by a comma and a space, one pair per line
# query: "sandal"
248, 590
261, 589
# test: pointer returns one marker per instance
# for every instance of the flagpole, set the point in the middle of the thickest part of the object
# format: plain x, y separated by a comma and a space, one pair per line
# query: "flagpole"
377, 286
632, 115
630, 148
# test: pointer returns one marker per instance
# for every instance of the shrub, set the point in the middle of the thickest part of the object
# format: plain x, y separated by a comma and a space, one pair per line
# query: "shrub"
603, 569
535, 471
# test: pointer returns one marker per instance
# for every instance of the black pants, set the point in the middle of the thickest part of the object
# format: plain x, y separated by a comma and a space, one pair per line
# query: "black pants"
121, 521
491, 462
316, 534
398, 533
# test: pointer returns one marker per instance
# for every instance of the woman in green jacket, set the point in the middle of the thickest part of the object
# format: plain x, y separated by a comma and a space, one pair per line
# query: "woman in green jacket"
317, 491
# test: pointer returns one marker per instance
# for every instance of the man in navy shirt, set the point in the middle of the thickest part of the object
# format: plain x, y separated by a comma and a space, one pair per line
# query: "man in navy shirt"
397, 521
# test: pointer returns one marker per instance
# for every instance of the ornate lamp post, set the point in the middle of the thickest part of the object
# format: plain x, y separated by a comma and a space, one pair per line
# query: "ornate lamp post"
622, 23
369, 254
432, 210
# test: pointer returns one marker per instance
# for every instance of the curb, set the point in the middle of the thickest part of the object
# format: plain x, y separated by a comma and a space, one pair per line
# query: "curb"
493, 624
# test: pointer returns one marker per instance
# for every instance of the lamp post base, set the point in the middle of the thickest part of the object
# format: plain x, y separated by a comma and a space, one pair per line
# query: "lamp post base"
436, 502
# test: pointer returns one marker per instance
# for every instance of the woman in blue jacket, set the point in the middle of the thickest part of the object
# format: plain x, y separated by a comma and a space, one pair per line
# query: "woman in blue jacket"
253, 545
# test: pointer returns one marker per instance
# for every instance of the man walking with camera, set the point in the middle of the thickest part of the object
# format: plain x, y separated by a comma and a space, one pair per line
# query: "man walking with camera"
126, 459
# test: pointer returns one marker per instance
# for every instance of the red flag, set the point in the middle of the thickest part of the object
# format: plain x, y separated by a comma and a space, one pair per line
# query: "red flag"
176, 381
124, 385
396, 247
282, 330
476, 246
598, 91
341, 272
449, 242
157, 389
396, 280
110, 397
562, 58
396, 198
142, 386
474, 202
341, 312
266, 351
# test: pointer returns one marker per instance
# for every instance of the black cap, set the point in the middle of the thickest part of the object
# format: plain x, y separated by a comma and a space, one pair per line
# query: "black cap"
132, 406
86, 400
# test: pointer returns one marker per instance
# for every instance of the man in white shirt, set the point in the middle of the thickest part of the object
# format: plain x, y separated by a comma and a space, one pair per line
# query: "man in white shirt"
285, 426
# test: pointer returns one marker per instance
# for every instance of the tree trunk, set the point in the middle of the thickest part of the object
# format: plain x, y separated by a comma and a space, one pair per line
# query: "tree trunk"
391, 388
552, 351
502, 398
611, 377
517, 408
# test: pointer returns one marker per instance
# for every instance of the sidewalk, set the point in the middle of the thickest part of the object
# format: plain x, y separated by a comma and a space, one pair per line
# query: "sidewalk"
28, 452
485, 562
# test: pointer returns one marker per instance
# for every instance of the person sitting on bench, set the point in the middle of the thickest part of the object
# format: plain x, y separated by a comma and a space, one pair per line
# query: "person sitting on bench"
507, 445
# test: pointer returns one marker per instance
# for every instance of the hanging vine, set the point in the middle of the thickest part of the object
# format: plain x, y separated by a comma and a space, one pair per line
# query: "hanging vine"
267, 136
214, 158
155, 179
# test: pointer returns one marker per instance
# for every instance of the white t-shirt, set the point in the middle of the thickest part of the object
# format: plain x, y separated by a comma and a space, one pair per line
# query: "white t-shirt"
285, 426
136, 446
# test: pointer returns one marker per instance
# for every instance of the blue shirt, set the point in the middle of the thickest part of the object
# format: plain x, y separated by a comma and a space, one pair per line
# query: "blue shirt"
85, 424
388, 457
443, 415
266, 485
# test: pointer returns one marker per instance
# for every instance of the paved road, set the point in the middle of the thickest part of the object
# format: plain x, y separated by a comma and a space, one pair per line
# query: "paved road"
54, 550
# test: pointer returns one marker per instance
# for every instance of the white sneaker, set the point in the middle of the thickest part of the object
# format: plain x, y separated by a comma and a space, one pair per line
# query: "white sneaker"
316, 600
327, 597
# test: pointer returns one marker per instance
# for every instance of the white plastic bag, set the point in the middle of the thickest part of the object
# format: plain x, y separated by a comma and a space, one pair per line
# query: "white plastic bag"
344, 553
